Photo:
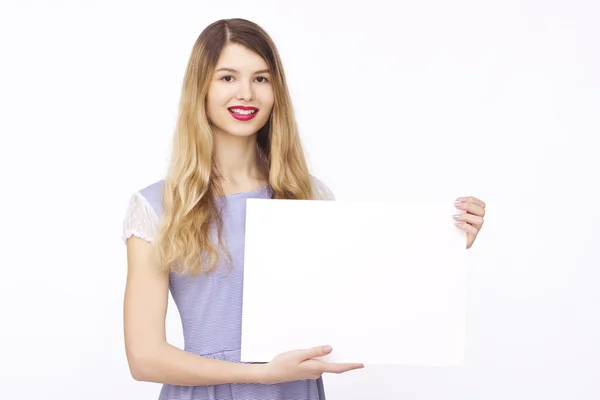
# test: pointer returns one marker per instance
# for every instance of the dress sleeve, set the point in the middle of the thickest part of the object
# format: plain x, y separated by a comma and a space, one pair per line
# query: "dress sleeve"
321, 191
140, 219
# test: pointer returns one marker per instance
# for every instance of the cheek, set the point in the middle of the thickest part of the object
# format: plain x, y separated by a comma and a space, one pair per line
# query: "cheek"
267, 98
214, 102
210, 99
218, 92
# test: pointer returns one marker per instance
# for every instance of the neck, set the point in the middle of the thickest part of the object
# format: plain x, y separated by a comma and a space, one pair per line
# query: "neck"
238, 163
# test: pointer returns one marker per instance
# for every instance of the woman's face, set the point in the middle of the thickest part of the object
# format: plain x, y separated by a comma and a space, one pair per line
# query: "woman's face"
240, 96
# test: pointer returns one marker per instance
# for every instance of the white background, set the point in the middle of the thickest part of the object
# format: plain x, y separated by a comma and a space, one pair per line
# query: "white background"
497, 99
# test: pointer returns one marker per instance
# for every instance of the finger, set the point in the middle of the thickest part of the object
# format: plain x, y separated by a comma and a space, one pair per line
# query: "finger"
471, 208
340, 368
471, 199
318, 351
467, 227
470, 218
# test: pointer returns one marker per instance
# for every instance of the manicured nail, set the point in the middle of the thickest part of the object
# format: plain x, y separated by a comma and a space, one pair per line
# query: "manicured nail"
458, 203
456, 216
327, 349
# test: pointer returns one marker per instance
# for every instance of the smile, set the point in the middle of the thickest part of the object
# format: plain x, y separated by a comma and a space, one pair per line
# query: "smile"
243, 113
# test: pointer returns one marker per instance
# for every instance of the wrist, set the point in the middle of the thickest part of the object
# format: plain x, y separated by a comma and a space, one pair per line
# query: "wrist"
257, 373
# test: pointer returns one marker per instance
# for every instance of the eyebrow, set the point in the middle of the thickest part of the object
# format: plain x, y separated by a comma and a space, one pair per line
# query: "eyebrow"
262, 71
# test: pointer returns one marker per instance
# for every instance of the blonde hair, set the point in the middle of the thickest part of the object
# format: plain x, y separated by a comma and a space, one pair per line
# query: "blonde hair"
190, 209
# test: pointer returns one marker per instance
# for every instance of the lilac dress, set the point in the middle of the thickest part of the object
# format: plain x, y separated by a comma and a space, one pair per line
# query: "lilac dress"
210, 305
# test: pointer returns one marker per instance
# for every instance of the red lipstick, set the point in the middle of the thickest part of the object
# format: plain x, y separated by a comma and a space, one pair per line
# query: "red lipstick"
245, 116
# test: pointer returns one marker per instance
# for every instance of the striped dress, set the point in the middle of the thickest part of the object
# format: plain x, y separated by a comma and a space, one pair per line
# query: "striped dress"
210, 305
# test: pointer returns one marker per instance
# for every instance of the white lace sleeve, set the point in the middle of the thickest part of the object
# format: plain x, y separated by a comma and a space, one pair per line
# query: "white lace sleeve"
140, 219
321, 191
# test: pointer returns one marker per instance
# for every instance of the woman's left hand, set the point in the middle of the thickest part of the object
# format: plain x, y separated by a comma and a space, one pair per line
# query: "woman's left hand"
472, 220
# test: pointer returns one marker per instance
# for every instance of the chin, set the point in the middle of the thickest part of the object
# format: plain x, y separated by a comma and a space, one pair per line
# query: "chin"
241, 131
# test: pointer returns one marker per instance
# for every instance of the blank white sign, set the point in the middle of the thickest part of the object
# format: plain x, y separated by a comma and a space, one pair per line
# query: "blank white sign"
381, 282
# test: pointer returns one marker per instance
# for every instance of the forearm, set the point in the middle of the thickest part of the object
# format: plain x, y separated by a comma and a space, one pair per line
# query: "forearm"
171, 365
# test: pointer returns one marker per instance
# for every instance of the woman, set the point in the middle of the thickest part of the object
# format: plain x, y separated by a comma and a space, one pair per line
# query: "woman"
236, 139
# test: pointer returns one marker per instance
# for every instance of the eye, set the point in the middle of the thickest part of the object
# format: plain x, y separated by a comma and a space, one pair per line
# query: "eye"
227, 78
263, 78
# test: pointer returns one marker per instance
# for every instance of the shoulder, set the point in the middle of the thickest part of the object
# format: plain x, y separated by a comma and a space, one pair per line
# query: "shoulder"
152, 195
320, 190
142, 215
153, 192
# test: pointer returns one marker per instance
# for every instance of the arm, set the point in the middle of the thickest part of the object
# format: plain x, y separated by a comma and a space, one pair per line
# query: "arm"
149, 356
320, 190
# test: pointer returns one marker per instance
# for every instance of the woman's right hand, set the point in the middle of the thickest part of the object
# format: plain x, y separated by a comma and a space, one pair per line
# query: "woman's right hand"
299, 365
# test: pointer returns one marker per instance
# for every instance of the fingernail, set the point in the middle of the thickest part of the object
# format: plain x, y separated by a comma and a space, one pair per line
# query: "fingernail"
456, 216
327, 349
458, 203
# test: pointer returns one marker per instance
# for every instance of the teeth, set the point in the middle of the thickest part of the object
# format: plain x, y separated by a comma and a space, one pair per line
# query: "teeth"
243, 112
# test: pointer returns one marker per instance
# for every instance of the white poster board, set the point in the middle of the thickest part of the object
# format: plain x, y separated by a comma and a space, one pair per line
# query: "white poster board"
382, 282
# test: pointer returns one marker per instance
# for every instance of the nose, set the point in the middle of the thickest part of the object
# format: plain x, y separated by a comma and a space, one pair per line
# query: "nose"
245, 91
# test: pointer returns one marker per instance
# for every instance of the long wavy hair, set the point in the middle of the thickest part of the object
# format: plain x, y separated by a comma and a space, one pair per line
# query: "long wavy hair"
190, 208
